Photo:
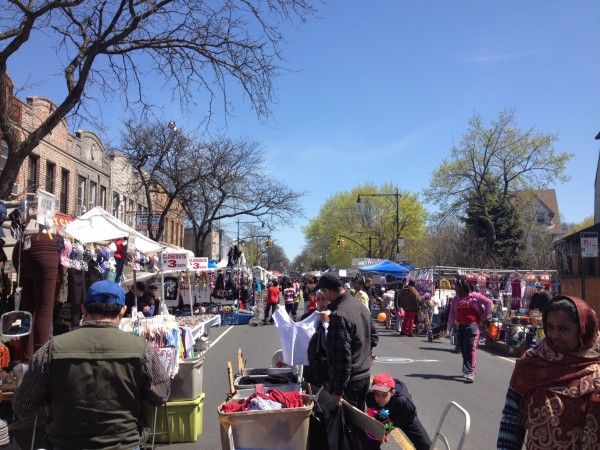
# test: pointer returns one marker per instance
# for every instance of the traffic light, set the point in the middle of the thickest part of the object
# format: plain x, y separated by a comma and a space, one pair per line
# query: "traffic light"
269, 243
340, 242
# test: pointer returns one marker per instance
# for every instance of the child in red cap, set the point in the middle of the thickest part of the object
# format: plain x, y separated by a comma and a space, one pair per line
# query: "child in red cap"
390, 402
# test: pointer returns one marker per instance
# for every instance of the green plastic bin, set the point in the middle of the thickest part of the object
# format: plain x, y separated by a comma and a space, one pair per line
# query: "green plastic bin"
179, 421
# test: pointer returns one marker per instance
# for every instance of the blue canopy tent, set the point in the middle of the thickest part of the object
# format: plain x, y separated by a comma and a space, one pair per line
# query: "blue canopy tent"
389, 268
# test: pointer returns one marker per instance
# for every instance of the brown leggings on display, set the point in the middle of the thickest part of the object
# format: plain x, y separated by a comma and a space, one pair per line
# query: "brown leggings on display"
39, 275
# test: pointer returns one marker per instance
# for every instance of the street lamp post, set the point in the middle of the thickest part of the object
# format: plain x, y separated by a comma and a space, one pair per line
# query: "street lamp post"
397, 195
262, 225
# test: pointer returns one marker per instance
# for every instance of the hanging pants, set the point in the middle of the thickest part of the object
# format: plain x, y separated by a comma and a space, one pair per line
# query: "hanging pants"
76, 293
468, 339
408, 322
39, 275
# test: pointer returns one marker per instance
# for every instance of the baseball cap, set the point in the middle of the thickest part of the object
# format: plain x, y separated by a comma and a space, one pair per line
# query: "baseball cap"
329, 280
382, 382
105, 291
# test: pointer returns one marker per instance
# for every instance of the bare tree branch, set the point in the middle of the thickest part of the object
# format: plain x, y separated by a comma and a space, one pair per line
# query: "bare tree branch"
111, 45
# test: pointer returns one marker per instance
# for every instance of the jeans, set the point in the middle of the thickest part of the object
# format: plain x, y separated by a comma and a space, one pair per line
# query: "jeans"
468, 338
270, 307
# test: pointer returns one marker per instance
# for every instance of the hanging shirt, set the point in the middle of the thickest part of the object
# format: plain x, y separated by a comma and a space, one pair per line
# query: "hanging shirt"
295, 336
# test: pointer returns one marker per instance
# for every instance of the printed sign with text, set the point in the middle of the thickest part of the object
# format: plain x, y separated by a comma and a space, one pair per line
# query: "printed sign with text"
175, 261
198, 263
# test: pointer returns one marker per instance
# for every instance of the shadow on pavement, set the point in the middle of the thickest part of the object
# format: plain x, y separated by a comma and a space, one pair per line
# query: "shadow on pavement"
437, 349
435, 376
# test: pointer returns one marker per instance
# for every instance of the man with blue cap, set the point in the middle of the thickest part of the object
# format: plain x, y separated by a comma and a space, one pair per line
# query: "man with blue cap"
93, 380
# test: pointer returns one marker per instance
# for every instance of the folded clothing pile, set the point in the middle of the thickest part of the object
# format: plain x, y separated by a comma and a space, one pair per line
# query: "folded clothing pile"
264, 401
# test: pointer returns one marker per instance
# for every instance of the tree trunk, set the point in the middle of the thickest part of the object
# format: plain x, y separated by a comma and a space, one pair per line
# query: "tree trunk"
490, 238
9, 174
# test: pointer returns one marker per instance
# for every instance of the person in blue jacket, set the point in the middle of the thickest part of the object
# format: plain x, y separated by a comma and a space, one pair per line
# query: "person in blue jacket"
390, 402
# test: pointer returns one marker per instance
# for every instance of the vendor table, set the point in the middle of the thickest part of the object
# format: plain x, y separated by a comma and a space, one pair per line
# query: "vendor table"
200, 324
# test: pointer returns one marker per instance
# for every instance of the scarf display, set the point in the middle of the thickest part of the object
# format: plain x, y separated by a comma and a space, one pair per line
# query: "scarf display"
561, 404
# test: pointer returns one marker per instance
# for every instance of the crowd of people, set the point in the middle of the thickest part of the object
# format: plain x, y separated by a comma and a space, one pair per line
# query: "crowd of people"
553, 399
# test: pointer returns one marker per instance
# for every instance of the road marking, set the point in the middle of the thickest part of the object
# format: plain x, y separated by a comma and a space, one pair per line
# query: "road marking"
507, 359
219, 338
394, 360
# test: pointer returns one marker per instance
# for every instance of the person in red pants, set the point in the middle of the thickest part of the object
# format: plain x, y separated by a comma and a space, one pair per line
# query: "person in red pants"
409, 301
467, 311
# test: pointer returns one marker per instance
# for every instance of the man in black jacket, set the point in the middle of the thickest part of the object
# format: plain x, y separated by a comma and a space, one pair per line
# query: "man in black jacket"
350, 338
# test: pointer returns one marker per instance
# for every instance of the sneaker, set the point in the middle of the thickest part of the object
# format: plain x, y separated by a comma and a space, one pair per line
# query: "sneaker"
469, 377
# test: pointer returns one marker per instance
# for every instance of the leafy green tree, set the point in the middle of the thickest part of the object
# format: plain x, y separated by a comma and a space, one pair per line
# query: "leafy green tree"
507, 226
499, 158
342, 228
587, 222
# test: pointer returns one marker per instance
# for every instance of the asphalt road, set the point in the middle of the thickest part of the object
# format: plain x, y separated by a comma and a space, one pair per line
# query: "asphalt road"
430, 370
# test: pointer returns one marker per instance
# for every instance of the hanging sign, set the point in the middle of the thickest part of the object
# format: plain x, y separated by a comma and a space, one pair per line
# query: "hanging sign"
174, 260
61, 221
198, 263
142, 219
589, 245
358, 263
46, 208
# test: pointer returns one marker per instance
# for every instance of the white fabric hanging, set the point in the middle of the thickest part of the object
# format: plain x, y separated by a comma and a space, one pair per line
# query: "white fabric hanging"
294, 336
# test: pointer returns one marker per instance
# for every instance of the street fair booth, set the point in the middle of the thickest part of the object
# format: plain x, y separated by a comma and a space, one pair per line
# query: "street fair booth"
512, 327
95, 247
579, 265
393, 272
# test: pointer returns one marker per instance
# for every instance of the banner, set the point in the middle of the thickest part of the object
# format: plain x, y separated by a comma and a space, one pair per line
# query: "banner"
142, 219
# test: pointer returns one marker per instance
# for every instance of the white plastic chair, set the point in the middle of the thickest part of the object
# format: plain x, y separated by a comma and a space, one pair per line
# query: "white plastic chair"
442, 437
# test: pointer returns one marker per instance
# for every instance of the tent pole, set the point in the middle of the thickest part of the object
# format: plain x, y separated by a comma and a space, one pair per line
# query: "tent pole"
135, 296
190, 293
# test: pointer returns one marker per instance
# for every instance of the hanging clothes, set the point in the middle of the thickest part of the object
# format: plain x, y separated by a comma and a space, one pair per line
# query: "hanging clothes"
39, 276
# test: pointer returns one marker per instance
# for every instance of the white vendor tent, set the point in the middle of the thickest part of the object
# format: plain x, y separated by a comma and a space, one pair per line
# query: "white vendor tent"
97, 225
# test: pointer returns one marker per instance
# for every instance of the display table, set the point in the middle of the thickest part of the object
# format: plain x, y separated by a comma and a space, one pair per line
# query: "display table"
199, 324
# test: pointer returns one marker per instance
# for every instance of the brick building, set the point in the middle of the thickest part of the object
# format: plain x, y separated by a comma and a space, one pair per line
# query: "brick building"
77, 169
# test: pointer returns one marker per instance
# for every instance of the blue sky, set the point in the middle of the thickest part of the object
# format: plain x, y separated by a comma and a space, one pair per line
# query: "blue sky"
378, 91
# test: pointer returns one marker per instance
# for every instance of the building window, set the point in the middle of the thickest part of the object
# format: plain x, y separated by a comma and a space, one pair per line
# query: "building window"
115, 205
33, 175
64, 191
50, 176
93, 193
81, 192
103, 197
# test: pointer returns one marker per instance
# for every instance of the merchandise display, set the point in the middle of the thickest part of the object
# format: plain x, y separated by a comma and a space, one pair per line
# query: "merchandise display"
511, 328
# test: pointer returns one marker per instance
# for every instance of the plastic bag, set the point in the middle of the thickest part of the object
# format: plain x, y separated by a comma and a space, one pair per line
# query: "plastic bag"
340, 435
